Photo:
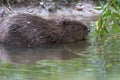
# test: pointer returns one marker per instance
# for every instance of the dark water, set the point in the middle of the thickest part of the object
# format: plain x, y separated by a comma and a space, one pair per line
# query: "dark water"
86, 60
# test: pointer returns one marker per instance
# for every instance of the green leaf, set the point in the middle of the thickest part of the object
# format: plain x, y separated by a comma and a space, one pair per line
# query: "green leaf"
115, 27
98, 8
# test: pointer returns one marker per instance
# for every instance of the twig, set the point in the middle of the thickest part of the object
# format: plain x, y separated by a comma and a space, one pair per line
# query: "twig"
74, 52
8, 9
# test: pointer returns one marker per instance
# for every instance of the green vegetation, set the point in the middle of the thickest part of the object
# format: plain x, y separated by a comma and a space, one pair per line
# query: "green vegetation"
109, 21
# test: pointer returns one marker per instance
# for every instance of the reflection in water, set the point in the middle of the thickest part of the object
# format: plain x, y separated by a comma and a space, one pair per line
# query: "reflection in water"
79, 61
62, 62
48, 52
106, 57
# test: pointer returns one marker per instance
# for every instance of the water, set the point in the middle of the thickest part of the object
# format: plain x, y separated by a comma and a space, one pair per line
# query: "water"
87, 60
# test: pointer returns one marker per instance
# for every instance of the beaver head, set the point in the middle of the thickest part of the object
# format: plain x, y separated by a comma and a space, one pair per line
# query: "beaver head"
73, 30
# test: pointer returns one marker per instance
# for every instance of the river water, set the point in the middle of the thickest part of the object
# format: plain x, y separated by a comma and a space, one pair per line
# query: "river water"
86, 60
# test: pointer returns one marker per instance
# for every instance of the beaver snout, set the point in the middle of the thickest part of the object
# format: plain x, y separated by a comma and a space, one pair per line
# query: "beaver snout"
88, 30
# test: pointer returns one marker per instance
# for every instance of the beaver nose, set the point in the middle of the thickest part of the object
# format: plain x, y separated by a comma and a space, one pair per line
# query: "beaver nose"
88, 30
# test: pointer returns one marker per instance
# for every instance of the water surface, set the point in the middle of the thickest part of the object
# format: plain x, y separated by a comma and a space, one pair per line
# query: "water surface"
86, 60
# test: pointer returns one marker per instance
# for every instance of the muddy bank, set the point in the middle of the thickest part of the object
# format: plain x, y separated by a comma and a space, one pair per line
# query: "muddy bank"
45, 3
79, 10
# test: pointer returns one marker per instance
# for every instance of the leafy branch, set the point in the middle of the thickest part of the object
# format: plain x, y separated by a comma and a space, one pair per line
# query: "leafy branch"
109, 21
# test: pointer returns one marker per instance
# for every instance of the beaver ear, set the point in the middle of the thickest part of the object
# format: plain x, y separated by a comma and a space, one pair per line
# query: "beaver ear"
63, 22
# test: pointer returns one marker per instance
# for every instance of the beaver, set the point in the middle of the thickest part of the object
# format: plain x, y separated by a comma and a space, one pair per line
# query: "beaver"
29, 30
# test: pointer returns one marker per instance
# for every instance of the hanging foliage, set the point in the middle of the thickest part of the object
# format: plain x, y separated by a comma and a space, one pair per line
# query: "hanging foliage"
109, 21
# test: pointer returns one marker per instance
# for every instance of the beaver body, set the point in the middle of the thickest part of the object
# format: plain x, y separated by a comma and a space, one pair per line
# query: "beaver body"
30, 30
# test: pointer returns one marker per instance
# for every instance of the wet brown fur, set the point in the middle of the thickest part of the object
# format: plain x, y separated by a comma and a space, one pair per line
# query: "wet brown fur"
29, 30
